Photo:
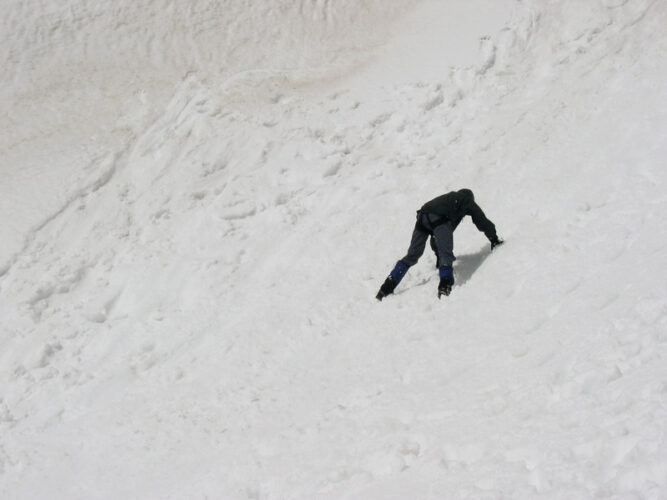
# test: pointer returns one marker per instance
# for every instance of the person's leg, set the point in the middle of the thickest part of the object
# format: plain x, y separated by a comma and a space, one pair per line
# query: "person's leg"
435, 251
444, 241
415, 251
444, 244
417, 242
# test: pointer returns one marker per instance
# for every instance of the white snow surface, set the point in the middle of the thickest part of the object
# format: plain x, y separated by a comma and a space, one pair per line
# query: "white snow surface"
199, 201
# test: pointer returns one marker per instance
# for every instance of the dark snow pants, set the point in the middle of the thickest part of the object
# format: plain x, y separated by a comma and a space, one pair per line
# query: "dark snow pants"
442, 234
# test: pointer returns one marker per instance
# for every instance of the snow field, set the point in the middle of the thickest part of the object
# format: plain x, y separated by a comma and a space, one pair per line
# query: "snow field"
198, 318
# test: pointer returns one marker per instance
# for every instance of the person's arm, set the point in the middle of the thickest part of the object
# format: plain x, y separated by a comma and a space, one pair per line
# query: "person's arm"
481, 222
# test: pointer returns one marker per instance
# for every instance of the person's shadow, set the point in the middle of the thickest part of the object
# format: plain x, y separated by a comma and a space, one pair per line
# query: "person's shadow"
466, 265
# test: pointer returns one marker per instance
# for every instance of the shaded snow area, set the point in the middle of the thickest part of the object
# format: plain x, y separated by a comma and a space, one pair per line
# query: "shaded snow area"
199, 201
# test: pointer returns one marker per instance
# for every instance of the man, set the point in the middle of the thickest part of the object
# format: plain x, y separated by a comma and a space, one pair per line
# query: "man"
439, 218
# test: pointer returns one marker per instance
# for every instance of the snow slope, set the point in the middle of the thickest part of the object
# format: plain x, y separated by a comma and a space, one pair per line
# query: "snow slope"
83, 78
186, 292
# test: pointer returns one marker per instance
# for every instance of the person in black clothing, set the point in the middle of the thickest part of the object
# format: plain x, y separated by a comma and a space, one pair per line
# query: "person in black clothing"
439, 218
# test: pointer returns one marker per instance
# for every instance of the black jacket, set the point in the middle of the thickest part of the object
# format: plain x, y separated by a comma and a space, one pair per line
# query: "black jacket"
456, 205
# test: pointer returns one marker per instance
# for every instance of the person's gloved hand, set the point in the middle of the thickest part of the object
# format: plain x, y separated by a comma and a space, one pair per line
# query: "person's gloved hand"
495, 241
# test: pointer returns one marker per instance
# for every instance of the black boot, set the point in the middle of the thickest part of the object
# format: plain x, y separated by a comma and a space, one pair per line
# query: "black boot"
387, 288
446, 281
444, 288
392, 281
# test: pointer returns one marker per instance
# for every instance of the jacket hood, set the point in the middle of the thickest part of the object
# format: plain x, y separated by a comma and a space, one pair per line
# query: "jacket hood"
465, 196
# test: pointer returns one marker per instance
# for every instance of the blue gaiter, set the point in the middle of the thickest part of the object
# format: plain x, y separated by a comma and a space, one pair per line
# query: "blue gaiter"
399, 271
447, 273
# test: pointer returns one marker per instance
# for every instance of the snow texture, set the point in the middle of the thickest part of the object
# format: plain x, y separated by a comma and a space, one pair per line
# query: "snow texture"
199, 201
